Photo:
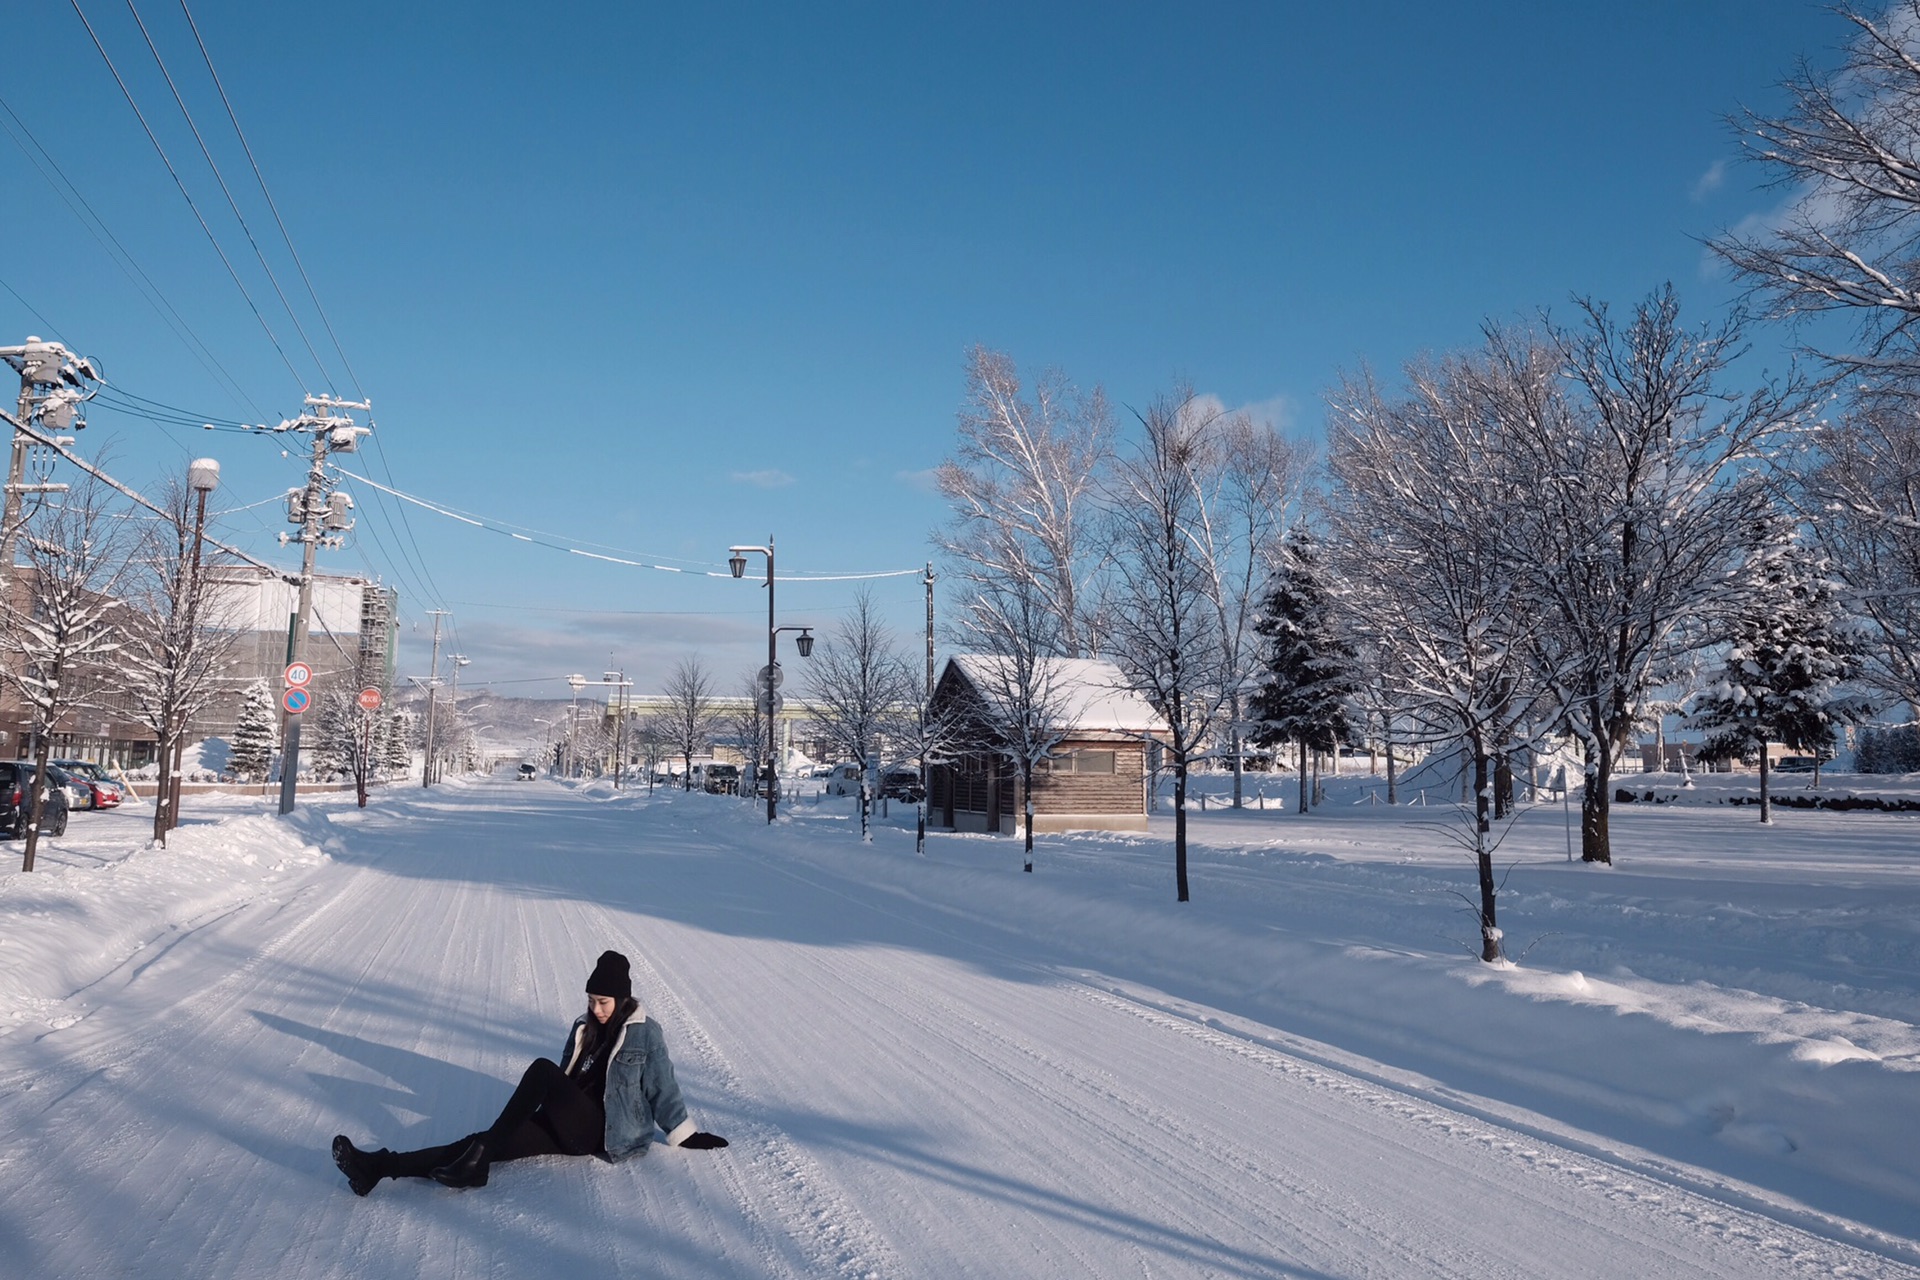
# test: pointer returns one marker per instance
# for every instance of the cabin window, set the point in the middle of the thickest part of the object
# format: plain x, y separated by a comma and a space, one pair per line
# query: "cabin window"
1093, 761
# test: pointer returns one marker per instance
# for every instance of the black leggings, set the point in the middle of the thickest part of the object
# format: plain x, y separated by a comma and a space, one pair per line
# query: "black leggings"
548, 1115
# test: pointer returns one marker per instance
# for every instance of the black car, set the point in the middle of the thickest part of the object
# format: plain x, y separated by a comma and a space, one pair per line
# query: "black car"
15, 807
902, 784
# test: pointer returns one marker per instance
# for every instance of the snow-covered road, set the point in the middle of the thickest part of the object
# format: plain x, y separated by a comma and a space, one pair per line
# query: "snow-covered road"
914, 1085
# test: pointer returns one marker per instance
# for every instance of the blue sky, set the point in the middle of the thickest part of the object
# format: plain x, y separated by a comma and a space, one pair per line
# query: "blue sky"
656, 279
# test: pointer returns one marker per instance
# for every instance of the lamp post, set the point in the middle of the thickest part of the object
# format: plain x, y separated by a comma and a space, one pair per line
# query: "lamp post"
804, 642
203, 477
575, 683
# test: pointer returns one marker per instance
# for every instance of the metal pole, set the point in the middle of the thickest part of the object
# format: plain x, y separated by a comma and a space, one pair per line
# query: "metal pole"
309, 543
192, 602
433, 681
458, 660
926, 712
773, 767
16, 477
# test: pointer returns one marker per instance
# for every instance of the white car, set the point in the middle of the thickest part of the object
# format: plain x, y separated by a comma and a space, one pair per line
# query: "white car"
844, 779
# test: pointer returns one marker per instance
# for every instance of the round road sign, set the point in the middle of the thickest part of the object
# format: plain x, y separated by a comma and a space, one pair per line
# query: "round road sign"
369, 699
299, 675
295, 700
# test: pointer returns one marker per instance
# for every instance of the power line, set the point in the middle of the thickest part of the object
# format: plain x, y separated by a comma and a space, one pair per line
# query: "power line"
278, 221
417, 560
543, 541
138, 497
225, 190
129, 266
186, 195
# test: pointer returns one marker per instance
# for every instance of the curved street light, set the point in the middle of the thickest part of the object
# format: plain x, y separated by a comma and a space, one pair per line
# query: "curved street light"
737, 562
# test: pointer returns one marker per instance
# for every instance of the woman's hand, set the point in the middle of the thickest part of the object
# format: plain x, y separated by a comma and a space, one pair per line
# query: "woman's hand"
704, 1141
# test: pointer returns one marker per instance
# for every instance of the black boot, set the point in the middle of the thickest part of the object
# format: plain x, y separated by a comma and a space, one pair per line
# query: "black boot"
468, 1169
363, 1168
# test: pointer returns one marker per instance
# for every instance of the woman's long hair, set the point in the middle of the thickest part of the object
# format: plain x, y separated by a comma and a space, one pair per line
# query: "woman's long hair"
601, 1034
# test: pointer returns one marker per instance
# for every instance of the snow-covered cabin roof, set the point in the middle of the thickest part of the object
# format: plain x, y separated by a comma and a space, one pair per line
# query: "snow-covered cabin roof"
1093, 693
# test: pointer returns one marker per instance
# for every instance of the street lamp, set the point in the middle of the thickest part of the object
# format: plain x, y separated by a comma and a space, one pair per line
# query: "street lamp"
804, 642
575, 683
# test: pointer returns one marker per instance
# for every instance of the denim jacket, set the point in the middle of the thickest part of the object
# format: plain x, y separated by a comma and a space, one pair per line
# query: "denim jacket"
641, 1092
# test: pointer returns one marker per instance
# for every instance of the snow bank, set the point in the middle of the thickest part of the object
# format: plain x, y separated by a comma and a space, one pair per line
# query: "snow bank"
98, 899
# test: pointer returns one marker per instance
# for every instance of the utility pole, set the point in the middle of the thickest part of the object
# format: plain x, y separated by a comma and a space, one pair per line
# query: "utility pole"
54, 383
617, 700
575, 683
926, 725
458, 660
322, 517
433, 699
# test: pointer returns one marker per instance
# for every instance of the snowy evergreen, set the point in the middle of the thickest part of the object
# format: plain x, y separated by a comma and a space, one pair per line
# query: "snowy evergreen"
254, 735
1888, 750
1311, 669
1783, 678
396, 743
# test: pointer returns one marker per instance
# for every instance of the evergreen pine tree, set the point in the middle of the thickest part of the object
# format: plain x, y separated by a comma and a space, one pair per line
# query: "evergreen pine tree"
1783, 676
254, 735
396, 743
1311, 670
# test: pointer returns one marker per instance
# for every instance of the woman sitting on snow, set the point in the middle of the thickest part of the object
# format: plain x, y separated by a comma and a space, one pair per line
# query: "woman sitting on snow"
617, 1086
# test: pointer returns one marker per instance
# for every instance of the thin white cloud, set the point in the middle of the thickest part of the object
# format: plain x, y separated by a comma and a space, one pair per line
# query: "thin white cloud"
1275, 412
1711, 181
925, 481
767, 479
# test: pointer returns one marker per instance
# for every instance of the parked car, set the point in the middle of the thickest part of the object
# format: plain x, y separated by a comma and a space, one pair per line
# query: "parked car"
14, 806
79, 791
107, 792
902, 784
1796, 764
527, 773
844, 779
718, 779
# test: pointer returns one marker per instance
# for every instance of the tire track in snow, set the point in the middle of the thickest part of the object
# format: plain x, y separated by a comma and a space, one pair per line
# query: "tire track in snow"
1776, 1246
817, 1215
1620, 1185
1189, 1226
1217, 1174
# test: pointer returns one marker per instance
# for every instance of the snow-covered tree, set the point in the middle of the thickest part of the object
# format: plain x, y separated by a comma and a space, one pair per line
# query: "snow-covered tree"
862, 692
1863, 499
60, 624
1427, 490
397, 741
1784, 674
177, 640
1168, 619
747, 724
1022, 483
688, 719
1888, 749
1311, 669
1849, 149
255, 732
1647, 477
346, 742
1028, 706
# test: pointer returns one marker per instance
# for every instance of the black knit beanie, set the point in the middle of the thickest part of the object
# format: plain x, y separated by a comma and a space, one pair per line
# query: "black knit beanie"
610, 977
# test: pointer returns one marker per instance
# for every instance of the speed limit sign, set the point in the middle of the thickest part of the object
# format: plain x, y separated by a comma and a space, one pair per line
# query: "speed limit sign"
299, 675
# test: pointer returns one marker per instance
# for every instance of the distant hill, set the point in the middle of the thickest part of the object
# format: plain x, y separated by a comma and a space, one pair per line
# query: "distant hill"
510, 726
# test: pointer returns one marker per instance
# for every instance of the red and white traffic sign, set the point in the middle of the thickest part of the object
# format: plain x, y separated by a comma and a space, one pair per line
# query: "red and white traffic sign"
369, 699
295, 700
299, 675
